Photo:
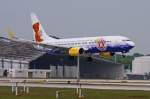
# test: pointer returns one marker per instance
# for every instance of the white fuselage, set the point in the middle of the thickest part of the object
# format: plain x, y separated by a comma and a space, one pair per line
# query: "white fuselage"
103, 43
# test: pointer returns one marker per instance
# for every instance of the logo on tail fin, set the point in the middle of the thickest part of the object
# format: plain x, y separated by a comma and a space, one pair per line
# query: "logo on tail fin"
37, 31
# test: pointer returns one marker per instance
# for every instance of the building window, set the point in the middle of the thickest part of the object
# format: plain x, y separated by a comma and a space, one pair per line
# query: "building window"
20, 65
11, 64
2, 63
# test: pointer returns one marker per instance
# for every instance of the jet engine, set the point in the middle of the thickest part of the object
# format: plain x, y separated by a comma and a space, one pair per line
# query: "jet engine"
74, 51
106, 54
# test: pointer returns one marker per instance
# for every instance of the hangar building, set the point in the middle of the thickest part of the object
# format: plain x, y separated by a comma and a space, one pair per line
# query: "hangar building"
21, 59
140, 68
141, 65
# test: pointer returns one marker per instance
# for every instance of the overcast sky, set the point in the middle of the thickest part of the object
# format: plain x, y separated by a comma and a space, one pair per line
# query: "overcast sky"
80, 18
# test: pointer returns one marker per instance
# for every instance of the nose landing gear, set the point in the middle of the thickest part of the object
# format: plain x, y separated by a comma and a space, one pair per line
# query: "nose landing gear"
123, 54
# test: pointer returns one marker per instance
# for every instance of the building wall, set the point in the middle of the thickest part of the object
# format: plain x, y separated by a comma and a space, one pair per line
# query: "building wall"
101, 69
62, 66
20, 69
13, 64
17, 73
7, 64
141, 65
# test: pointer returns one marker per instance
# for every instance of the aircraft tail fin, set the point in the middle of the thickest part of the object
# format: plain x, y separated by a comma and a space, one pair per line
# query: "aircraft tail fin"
39, 33
11, 34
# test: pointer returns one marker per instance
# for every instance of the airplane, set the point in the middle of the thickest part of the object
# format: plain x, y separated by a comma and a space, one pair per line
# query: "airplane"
103, 45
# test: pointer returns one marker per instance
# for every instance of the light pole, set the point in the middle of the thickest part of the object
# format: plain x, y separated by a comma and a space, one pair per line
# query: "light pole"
78, 68
78, 72
115, 58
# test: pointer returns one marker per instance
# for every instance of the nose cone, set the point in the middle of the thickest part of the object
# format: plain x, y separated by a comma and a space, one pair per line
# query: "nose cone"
131, 44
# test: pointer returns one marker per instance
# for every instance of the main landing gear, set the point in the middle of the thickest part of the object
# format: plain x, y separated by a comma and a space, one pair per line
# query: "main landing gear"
112, 54
123, 55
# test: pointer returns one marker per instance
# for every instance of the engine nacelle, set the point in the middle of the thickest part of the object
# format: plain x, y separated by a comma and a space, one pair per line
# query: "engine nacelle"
106, 54
74, 51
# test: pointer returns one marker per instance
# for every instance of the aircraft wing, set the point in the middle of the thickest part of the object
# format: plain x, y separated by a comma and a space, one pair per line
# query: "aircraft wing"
51, 48
44, 47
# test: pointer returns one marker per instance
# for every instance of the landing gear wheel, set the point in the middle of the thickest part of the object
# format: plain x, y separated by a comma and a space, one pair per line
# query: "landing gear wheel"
112, 54
123, 55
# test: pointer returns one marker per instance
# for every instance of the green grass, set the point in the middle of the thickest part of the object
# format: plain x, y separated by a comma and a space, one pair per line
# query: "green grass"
49, 93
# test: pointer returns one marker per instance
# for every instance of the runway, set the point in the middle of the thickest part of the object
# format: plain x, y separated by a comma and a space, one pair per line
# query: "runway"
84, 83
